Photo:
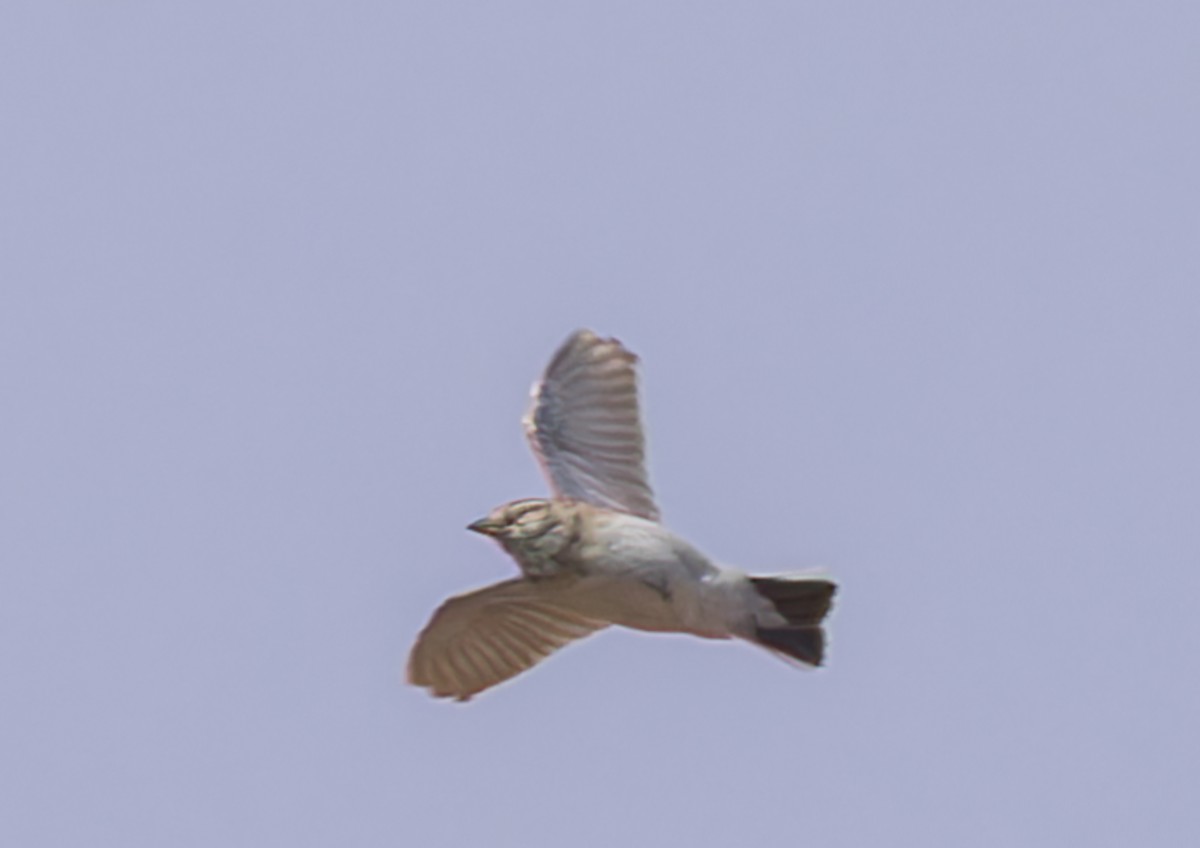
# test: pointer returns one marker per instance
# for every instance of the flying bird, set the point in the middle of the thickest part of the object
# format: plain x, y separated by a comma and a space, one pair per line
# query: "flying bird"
596, 553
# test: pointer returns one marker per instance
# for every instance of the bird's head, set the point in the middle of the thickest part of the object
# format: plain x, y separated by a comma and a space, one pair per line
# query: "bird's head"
534, 532
518, 520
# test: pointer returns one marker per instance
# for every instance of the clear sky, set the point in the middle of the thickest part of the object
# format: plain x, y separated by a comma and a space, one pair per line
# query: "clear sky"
917, 292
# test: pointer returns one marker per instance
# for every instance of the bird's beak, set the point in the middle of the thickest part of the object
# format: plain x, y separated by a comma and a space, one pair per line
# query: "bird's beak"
484, 526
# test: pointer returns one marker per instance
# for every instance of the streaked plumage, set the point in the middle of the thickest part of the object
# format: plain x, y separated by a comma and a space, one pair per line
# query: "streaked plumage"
595, 554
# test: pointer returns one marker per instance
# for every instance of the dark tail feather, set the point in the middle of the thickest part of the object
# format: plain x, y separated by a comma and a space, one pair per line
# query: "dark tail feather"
806, 644
804, 602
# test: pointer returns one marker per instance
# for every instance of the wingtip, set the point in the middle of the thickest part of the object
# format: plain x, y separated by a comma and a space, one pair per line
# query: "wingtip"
590, 338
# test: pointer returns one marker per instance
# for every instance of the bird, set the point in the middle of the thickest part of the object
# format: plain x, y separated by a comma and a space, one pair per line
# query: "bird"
596, 553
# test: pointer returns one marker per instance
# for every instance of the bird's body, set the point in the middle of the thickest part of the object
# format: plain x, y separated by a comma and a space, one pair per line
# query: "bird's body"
596, 554
634, 572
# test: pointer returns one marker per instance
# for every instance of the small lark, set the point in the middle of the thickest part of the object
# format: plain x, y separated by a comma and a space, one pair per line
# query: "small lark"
596, 553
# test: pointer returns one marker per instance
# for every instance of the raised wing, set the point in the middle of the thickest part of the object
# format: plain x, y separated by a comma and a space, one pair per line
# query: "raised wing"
482, 638
584, 427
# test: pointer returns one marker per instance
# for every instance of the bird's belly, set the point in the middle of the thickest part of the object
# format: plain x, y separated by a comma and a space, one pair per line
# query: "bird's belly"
632, 603
653, 604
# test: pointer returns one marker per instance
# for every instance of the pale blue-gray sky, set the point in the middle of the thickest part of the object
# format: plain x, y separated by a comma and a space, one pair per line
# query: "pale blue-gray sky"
917, 292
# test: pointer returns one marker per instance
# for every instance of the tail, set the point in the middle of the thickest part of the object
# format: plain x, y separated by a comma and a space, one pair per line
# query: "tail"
804, 602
